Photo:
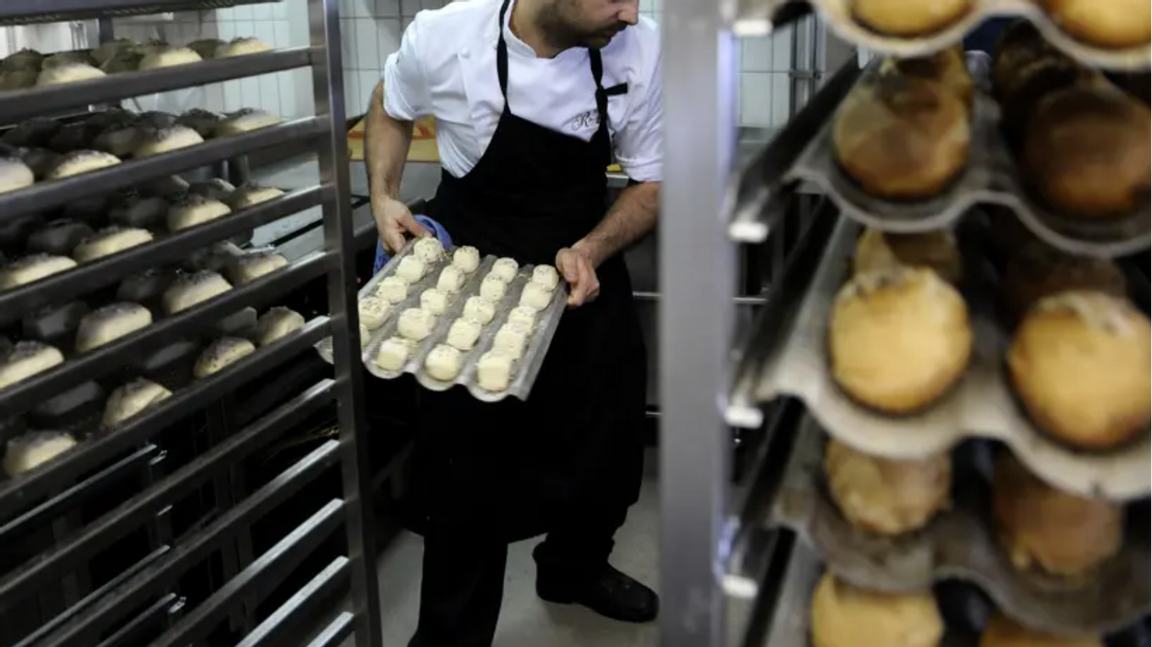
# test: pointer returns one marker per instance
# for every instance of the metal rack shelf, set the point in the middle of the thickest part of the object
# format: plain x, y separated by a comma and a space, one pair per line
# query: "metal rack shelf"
143, 602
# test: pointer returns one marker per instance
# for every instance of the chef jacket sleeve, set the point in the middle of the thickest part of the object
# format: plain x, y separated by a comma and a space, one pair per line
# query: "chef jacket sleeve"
406, 94
640, 142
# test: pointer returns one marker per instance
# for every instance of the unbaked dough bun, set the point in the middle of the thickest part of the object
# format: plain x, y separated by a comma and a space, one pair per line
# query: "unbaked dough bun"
365, 336
451, 279
535, 295
241, 46
164, 140
68, 73
25, 359
1114, 24
245, 120
394, 352
204, 122
480, 309
505, 268
192, 209
25, 59
525, 316
1088, 152
1080, 362
253, 265
108, 241
131, 399
252, 194
78, 162
466, 258
546, 276
32, 268
14, 174
898, 339
373, 312
935, 250
169, 58
434, 301
221, 354
107, 324
511, 339
1050, 530
463, 333
31, 450
909, 19
1039, 271
493, 288
887, 497
1003, 632
278, 322
410, 269
428, 249
415, 324
494, 371
846, 616
902, 138
190, 289
392, 289
443, 363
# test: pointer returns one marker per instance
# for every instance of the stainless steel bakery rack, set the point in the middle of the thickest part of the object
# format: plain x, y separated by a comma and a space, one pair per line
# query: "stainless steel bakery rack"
49, 507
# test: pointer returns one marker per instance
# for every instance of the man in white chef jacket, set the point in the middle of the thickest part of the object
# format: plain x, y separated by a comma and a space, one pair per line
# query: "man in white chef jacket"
533, 99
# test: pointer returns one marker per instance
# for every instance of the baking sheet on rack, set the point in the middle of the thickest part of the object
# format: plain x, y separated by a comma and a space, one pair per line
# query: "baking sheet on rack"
980, 406
958, 544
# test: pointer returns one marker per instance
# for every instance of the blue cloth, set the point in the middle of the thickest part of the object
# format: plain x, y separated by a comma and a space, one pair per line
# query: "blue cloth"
382, 256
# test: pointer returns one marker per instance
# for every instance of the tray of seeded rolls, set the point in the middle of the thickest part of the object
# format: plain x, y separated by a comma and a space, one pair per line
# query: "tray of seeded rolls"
1048, 558
915, 144
1112, 35
903, 346
454, 318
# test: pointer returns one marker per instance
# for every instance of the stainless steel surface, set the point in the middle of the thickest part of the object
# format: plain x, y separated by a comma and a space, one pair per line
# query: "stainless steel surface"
278, 627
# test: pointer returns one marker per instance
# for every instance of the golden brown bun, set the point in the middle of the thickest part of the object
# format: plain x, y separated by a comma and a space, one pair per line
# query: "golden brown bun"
883, 496
898, 339
1002, 632
935, 250
902, 138
1032, 83
1088, 150
946, 67
1080, 364
1042, 527
1039, 271
1114, 24
845, 616
903, 18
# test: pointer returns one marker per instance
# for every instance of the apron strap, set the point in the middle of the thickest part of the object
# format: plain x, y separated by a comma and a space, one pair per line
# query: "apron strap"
502, 57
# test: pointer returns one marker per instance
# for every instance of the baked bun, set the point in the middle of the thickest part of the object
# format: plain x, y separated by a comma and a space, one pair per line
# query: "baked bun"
1080, 363
221, 354
69, 73
846, 616
108, 241
131, 399
887, 497
946, 67
202, 121
245, 120
1088, 152
251, 194
192, 209
898, 339
164, 140
191, 289
1040, 271
241, 46
905, 19
935, 250
902, 138
32, 268
78, 162
1115, 24
31, 450
14, 174
276, 323
205, 47
1042, 527
110, 323
253, 265
1002, 632
25, 359
169, 58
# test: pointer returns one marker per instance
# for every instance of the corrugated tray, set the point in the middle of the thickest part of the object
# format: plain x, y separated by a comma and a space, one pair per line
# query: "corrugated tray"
755, 17
959, 544
795, 363
991, 177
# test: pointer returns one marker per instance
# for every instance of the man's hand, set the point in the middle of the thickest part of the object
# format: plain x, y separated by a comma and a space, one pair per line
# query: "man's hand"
576, 266
393, 221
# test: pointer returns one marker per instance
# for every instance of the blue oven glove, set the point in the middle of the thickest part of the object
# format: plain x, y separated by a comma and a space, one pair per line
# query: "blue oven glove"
382, 257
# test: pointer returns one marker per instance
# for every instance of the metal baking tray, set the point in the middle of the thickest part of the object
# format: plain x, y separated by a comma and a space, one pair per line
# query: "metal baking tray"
756, 18
958, 544
525, 370
794, 362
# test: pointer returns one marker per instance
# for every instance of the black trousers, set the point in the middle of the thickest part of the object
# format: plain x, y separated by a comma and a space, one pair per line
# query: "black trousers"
463, 580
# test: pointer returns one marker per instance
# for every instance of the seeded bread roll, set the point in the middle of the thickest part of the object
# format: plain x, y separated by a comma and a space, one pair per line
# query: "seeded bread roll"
428, 250
415, 324
1039, 271
434, 301
394, 353
252, 194
245, 120
451, 279
494, 371
846, 616
166, 140
25, 59
78, 162
25, 359
192, 209
205, 47
464, 333
1050, 530
410, 269
204, 122
131, 399
1003, 632
130, 209
68, 73
32, 268
276, 323
1080, 362
493, 288
110, 323
190, 289
546, 276
392, 289
253, 265
14, 174
373, 312
241, 46
1112, 25
466, 258
898, 339
524, 315
883, 496
59, 237
221, 354
535, 296
505, 268
511, 339
935, 250
443, 363
480, 309
169, 58
108, 241
24, 453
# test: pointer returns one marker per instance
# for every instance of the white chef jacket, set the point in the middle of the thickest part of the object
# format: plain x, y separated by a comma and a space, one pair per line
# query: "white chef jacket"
446, 68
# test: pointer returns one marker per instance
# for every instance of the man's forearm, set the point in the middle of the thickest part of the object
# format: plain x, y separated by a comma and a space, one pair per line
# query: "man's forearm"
630, 219
386, 143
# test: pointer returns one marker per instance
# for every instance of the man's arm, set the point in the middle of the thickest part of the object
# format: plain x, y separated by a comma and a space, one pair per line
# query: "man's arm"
386, 142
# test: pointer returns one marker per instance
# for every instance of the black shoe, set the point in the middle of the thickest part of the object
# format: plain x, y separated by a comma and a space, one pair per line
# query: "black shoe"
609, 593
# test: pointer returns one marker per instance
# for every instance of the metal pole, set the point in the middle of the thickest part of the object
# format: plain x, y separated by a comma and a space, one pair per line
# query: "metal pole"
328, 85
698, 279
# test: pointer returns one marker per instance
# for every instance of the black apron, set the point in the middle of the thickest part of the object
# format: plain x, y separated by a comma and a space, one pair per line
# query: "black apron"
515, 469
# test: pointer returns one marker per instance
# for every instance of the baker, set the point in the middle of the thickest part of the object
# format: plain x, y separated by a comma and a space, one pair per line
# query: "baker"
533, 99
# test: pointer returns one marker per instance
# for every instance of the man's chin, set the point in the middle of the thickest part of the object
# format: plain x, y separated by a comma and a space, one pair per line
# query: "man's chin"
598, 42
